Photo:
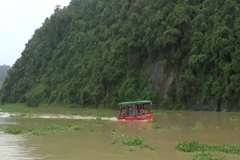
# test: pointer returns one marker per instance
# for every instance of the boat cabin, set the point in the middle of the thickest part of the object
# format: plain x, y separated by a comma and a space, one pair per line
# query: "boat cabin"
135, 110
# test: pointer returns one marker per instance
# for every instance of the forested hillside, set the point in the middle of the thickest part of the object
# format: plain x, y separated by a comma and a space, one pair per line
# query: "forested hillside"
3, 73
98, 52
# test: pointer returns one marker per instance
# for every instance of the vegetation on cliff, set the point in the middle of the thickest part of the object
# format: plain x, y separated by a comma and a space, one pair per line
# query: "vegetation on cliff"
95, 52
3, 73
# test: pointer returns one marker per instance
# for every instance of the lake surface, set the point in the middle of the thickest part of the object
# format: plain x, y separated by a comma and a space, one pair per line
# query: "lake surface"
206, 127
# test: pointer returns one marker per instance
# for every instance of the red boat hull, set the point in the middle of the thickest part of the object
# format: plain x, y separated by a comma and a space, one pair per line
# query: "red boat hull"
147, 116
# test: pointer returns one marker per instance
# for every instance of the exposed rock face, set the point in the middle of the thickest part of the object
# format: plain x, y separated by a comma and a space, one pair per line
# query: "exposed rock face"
160, 78
212, 105
229, 106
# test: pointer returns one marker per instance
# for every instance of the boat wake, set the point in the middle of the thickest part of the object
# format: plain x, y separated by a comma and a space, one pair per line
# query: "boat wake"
54, 116
57, 116
4, 115
47, 116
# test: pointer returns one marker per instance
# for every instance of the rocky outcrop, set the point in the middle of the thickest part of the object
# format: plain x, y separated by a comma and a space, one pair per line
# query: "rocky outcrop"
214, 105
229, 106
160, 78
211, 105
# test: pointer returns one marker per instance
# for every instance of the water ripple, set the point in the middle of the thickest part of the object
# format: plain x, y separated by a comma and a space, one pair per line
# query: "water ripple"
13, 147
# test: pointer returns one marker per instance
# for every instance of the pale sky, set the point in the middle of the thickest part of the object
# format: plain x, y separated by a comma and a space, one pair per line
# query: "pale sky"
19, 19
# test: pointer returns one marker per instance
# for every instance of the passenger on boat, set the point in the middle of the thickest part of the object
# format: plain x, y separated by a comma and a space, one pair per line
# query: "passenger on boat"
142, 111
130, 111
127, 111
138, 109
119, 112
135, 111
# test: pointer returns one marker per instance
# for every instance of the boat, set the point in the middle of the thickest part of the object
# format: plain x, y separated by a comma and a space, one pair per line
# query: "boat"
138, 109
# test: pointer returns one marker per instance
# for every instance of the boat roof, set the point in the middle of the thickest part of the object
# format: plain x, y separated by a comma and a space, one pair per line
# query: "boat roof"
135, 102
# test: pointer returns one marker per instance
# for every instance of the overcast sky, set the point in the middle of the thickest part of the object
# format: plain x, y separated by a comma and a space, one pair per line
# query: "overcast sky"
19, 19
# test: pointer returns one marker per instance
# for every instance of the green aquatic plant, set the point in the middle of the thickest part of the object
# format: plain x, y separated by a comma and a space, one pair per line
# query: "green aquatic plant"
152, 121
206, 156
74, 126
198, 146
191, 146
177, 127
150, 147
15, 131
233, 118
22, 115
97, 121
53, 128
159, 127
197, 125
144, 128
41, 130
37, 133
116, 134
113, 132
2, 128
137, 142
92, 130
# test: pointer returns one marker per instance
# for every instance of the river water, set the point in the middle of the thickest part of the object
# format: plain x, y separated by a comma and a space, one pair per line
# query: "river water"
217, 128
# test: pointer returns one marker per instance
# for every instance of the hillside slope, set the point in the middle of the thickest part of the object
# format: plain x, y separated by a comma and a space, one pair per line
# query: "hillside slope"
3, 73
103, 52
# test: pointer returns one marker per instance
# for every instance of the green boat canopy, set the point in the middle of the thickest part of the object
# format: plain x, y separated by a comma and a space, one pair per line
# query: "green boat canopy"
135, 102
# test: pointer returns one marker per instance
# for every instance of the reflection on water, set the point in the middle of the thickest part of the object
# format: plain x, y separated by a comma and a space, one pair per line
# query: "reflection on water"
12, 148
216, 128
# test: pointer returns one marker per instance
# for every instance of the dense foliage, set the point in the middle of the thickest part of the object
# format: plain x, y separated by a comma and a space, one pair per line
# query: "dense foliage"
95, 52
3, 73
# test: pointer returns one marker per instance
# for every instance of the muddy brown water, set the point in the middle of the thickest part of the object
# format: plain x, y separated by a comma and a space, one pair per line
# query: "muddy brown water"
217, 128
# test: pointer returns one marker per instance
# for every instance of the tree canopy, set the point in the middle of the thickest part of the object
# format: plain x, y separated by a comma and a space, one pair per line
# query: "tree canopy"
95, 52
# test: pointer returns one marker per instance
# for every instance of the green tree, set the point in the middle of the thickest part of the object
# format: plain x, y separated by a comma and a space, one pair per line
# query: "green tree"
96, 52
